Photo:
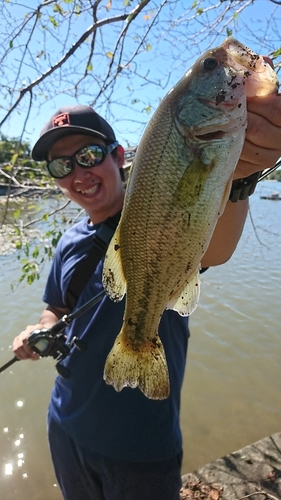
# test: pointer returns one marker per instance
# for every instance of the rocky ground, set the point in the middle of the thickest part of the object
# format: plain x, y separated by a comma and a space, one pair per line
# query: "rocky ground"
253, 472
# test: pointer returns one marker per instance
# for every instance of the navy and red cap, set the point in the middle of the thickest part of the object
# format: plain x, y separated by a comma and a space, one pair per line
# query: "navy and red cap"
71, 120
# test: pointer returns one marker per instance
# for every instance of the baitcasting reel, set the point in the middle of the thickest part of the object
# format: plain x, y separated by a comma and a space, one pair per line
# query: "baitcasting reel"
52, 342
47, 343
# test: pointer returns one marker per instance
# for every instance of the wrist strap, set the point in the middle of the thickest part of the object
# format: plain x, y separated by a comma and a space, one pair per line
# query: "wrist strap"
243, 188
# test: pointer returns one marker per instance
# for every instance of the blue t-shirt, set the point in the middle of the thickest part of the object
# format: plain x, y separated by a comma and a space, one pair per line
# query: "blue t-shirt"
122, 425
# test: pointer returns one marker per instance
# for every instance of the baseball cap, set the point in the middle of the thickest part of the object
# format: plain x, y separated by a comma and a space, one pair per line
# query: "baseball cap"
71, 120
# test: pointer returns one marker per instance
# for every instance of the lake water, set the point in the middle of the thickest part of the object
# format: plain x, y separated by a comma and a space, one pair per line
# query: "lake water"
231, 394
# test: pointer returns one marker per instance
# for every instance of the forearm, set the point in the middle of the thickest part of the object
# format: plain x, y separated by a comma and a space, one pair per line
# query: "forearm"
261, 151
51, 315
227, 234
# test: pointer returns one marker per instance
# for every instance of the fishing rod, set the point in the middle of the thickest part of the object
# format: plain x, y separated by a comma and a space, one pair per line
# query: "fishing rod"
267, 172
52, 342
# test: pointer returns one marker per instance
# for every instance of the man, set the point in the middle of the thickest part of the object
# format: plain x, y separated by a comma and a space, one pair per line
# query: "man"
107, 445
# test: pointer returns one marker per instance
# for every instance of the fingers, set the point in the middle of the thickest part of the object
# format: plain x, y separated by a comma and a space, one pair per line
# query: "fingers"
21, 348
260, 155
268, 107
262, 147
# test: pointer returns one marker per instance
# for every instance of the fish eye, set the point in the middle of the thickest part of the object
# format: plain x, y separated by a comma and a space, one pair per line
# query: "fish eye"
210, 63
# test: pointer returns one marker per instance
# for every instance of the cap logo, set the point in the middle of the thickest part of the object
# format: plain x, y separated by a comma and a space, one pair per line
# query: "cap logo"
60, 120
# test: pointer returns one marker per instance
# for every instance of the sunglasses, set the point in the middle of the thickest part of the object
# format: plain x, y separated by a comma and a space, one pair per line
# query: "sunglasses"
86, 157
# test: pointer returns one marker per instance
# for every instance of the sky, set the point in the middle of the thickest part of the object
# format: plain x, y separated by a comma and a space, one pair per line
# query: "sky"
251, 28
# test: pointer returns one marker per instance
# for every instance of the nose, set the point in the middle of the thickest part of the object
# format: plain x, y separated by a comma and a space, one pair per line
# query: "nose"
81, 173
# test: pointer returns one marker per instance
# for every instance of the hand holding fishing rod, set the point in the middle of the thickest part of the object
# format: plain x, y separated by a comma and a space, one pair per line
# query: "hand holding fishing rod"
52, 341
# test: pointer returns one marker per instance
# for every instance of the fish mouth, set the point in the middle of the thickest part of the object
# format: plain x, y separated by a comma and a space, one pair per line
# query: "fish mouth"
216, 135
243, 56
247, 62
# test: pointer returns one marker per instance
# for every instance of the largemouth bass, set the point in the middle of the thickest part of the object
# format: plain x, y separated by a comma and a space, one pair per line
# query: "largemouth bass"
178, 187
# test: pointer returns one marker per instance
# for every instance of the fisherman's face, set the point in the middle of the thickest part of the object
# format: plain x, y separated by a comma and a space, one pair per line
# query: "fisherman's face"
99, 189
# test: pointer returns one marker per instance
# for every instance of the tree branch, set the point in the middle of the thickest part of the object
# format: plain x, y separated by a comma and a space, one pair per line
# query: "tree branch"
74, 47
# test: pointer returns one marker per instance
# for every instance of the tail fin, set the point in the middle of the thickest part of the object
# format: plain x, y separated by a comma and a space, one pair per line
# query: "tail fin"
144, 368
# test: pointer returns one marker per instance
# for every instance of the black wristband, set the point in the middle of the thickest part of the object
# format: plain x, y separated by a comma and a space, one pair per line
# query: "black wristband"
243, 188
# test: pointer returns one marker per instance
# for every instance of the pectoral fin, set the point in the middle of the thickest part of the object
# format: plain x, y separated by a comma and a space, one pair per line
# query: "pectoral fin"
225, 197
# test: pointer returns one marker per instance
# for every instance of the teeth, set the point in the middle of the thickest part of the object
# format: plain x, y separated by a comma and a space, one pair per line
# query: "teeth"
89, 191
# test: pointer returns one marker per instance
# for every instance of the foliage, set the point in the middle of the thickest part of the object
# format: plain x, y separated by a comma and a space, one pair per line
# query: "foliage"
120, 56
17, 170
29, 227
34, 255
33, 231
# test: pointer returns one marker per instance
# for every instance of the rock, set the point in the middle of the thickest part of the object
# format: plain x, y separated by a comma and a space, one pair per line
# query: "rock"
252, 472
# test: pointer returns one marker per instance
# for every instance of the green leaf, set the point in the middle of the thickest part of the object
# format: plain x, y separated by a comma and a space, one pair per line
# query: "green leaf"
147, 109
56, 239
14, 158
11, 44
90, 67
35, 252
229, 32
58, 8
26, 251
16, 213
53, 21
31, 278
276, 53
148, 47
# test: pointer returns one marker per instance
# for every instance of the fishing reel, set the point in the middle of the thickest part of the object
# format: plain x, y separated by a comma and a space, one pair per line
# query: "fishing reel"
45, 342
52, 342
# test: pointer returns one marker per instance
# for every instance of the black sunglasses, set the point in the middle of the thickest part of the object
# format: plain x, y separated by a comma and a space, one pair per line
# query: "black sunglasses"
86, 157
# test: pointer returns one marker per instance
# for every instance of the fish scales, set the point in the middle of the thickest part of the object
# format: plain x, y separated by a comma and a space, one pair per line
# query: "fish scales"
178, 187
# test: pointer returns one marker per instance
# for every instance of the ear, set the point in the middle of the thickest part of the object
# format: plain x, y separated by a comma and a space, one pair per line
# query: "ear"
120, 156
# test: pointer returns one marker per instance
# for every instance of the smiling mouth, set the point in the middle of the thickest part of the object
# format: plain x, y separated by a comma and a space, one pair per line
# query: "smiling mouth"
91, 190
